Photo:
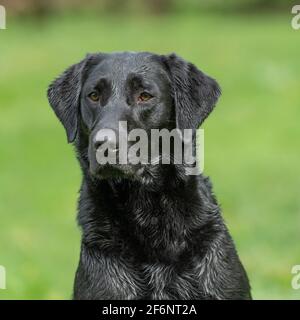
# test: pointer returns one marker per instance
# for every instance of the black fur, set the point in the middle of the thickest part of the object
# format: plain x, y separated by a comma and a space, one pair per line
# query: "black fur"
154, 233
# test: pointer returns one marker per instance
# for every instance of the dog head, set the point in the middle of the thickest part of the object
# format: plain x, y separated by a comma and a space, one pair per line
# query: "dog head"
105, 96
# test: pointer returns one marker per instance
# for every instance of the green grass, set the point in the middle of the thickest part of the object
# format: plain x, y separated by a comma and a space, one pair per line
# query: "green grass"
251, 140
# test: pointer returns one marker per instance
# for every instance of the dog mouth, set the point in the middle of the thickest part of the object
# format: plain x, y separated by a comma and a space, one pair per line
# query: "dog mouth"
112, 163
108, 171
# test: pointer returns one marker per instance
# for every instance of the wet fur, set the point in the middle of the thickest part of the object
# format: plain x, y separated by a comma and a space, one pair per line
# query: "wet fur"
159, 235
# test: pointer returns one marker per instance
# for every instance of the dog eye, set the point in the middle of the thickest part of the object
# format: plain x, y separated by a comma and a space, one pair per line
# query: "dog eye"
94, 96
144, 96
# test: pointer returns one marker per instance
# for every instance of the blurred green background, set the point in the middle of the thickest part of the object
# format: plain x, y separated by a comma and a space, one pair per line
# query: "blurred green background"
251, 138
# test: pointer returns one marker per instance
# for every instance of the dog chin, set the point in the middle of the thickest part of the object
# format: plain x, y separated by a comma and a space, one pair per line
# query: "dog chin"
109, 171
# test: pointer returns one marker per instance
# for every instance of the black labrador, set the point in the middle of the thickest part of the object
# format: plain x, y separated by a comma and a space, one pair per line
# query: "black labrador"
149, 231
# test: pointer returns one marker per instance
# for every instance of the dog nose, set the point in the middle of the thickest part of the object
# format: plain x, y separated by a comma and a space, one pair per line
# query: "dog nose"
107, 138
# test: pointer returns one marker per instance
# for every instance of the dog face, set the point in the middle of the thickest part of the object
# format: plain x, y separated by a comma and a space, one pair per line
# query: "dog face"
142, 90
123, 89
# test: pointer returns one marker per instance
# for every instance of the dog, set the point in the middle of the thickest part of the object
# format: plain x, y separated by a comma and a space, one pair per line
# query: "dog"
149, 231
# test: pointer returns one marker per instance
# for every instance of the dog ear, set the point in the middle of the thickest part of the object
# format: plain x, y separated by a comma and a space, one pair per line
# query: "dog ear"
64, 94
195, 94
